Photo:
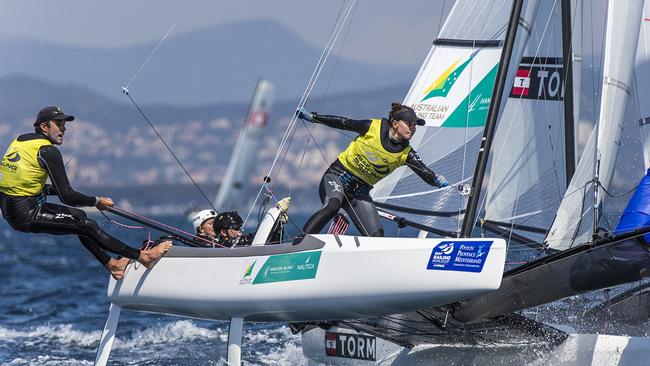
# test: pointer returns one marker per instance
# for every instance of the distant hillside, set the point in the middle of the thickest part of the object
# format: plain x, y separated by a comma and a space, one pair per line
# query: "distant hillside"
213, 65
124, 151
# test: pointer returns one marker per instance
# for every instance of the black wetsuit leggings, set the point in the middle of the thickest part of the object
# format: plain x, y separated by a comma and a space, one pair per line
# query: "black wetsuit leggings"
27, 215
339, 190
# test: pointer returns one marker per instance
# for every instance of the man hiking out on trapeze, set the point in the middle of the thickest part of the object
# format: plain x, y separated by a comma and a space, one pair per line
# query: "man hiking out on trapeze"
381, 147
29, 161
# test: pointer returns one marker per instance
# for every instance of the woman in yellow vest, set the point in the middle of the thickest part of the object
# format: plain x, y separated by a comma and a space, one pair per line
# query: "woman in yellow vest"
29, 161
381, 147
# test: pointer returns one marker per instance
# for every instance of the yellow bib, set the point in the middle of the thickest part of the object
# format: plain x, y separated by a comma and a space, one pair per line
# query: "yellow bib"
366, 158
20, 173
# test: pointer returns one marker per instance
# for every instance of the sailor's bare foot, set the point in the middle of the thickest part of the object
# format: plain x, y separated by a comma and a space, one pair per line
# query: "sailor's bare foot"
117, 267
149, 257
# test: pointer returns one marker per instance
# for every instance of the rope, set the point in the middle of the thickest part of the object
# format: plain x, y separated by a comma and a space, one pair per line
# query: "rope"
126, 91
172, 228
132, 227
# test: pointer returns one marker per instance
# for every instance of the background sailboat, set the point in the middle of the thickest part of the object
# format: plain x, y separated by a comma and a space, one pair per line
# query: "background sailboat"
232, 192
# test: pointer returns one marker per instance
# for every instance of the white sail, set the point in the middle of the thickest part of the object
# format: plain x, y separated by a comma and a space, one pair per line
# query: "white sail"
641, 108
231, 193
452, 92
577, 11
621, 40
528, 169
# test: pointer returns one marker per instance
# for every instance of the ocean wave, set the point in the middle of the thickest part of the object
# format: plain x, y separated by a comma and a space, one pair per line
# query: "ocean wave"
46, 361
63, 334
178, 331
274, 345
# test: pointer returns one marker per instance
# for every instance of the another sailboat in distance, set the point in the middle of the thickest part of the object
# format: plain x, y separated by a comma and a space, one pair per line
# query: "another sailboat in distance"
232, 192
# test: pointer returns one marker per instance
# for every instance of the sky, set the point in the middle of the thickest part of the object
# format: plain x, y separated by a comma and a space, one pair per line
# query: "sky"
376, 24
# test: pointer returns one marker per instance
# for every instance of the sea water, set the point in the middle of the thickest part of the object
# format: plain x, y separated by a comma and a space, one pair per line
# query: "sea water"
53, 301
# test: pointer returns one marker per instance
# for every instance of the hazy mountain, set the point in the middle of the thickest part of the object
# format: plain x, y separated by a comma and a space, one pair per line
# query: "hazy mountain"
213, 65
124, 151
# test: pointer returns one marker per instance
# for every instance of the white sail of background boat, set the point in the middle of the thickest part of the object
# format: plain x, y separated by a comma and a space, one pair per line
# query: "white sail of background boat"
232, 192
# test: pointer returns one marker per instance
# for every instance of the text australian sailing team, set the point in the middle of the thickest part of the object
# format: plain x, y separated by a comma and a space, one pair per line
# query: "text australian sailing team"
382, 145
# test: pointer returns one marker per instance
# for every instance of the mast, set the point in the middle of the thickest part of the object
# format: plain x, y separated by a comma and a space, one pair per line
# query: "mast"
567, 58
490, 125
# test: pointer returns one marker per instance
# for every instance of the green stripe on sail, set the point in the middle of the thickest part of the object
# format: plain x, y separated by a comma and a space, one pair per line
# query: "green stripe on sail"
443, 90
479, 102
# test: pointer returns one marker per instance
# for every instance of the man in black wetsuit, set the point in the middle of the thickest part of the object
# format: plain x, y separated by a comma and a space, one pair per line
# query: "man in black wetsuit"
382, 145
29, 161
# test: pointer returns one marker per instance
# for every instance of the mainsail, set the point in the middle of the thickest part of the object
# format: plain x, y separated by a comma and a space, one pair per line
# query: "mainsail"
526, 183
452, 93
641, 87
622, 38
617, 259
527, 175
231, 193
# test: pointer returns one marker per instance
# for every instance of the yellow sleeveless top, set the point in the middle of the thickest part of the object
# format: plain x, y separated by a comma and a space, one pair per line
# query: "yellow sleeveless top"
366, 158
20, 173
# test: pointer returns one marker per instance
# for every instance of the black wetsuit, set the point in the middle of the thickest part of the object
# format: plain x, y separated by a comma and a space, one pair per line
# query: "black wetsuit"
33, 214
340, 188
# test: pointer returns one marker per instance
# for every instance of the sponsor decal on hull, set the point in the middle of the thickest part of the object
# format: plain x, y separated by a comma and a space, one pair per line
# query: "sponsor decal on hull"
346, 345
288, 267
464, 256
247, 278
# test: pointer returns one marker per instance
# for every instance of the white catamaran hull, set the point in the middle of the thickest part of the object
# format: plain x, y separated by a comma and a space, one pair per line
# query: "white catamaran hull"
323, 277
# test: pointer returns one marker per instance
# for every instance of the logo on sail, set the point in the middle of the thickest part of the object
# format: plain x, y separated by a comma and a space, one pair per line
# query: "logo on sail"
458, 95
540, 78
443, 83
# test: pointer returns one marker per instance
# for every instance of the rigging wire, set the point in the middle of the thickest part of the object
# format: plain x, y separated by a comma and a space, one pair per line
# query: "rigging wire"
327, 87
160, 43
500, 156
310, 85
126, 91
136, 74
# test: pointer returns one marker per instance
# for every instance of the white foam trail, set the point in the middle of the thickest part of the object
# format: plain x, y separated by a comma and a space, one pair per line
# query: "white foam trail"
179, 331
46, 361
268, 346
62, 334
